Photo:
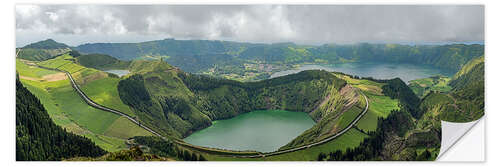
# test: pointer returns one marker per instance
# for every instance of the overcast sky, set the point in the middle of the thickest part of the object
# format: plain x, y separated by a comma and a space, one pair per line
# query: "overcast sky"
317, 24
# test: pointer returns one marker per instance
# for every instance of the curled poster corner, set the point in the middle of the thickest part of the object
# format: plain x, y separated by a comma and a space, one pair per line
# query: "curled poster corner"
452, 132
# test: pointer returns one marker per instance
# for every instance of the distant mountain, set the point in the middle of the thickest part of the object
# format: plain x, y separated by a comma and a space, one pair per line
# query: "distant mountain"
46, 44
449, 57
167, 47
42, 50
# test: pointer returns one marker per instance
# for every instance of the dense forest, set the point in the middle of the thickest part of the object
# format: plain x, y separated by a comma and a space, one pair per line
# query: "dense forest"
39, 139
166, 148
397, 89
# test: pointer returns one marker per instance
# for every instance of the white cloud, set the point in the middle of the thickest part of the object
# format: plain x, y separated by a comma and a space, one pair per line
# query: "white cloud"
313, 24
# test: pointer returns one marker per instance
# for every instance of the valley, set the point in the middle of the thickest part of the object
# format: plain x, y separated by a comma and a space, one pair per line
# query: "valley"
339, 108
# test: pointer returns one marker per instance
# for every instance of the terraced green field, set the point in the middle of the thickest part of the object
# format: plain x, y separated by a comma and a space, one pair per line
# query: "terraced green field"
68, 110
104, 91
380, 107
29, 71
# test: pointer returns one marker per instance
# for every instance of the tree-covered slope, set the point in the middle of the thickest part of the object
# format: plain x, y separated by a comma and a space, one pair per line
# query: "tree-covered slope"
68, 110
179, 103
470, 74
465, 102
406, 136
38, 138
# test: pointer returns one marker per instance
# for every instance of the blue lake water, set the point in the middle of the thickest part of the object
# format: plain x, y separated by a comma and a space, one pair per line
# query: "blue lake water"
118, 72
406, 72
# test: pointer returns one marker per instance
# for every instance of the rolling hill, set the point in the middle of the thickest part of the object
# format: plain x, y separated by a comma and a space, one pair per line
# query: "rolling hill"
38, 138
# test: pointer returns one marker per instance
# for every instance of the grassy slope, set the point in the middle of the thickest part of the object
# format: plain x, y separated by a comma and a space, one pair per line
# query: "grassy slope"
102, 62
30, 71
39, 54
380, 105
68, 110
350, 139
104, 91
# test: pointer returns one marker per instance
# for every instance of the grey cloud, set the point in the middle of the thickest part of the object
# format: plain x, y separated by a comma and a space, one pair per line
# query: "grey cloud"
310, 24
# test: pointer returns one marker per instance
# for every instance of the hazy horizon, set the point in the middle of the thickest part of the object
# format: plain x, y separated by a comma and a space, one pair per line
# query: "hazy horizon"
401, 43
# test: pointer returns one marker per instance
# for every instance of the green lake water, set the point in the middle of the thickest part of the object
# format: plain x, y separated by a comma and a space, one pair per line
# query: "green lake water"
406, 72
262, 130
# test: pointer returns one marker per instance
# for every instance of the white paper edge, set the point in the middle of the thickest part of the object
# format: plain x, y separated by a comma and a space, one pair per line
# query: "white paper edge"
462, 142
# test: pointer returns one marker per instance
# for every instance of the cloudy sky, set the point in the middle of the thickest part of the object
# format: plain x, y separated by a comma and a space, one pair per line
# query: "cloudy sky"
316, 24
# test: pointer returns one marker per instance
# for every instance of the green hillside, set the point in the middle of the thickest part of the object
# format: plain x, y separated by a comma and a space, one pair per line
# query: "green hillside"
39, 139
46, 44
406, 136
471, 73
69, 111
39, 54
182, 103
465, 102
102, 62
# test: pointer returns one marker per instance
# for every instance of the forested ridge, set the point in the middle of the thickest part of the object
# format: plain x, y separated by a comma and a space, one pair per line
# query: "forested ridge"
199, 55
39, 139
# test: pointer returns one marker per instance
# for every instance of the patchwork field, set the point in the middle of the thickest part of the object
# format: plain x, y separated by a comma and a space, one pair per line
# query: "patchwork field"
69, 111
422, 87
